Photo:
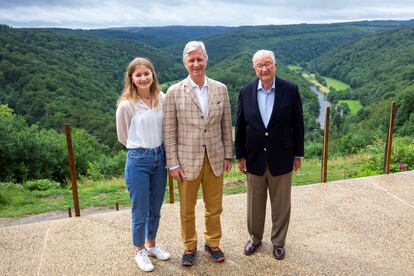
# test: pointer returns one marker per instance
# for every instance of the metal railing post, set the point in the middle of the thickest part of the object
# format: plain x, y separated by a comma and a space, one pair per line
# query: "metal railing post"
72, 170
324, 167
388, 145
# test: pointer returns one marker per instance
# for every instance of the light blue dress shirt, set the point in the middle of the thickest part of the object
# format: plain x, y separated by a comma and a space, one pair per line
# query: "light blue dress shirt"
266, 99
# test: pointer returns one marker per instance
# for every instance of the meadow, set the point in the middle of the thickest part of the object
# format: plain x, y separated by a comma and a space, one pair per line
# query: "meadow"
354, 105
39, 197
336, 84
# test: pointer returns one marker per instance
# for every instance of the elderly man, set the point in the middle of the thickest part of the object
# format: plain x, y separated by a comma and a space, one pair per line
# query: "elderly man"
269, 144
198, 143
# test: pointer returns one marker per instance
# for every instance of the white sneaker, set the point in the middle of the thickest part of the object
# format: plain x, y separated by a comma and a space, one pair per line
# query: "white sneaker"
143, 261
158, 253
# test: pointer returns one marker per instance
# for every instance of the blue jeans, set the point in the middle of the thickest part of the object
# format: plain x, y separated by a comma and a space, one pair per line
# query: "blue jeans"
146, 178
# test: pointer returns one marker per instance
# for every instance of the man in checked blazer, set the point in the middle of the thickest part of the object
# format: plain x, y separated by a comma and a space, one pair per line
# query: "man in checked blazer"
198, 143
269, 145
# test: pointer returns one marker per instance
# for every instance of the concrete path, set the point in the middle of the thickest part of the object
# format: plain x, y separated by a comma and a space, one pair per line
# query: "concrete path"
362, 226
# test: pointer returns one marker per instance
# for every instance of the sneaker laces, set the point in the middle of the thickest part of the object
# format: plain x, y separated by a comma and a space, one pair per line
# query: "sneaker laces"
144, 257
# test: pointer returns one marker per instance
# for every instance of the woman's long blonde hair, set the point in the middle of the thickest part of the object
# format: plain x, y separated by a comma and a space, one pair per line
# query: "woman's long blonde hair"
130, 91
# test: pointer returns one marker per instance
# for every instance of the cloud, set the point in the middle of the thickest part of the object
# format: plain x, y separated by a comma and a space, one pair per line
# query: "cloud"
111, 13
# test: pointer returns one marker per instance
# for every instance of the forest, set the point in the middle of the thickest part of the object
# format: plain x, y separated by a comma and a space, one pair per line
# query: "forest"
49, 77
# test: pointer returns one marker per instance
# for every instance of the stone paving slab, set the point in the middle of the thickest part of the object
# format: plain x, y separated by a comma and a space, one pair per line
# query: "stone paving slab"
359, 227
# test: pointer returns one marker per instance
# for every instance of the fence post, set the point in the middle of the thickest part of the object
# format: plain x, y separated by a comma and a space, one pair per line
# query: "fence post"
171, 188
388, 145
72, 170
324, 166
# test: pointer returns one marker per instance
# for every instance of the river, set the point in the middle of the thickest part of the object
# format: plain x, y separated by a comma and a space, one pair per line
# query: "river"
323, 104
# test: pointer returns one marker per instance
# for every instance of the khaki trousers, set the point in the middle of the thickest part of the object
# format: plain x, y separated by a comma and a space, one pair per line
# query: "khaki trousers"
212, 188
279, 190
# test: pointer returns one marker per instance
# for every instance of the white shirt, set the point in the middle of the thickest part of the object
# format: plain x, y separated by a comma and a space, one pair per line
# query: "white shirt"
265, 100
139, 126
202, 95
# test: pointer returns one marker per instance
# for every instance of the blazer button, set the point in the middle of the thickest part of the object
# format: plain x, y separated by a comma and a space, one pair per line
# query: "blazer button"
265, 149
205, 130
266, 133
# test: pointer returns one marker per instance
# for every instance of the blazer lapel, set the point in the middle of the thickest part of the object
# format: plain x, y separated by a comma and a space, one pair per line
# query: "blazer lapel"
211, 95
190, 93
255, 103
278, 99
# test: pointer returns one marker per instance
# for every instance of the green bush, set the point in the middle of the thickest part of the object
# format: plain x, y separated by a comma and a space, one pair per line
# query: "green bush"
352, 143
2, 199
94, 172
373, 157
30, 152
41, 185
107, 166
313, 150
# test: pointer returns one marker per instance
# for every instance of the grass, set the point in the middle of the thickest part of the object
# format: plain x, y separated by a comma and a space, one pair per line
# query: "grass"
16, 201
354, 105
295, 68
21, 202
336, 84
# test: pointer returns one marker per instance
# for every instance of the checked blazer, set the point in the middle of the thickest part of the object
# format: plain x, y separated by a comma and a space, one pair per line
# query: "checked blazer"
188, 135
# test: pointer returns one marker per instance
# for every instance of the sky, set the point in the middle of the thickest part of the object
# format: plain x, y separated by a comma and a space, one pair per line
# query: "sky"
92, 14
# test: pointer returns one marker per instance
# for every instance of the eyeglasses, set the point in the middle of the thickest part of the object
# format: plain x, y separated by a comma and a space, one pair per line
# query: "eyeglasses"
261, 66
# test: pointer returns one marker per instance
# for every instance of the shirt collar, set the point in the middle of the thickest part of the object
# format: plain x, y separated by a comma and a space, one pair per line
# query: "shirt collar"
193, 84
260, 86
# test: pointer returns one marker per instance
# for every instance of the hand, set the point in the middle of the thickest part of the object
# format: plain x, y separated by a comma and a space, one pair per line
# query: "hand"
297, 162
241, 164
227, 165
177, 174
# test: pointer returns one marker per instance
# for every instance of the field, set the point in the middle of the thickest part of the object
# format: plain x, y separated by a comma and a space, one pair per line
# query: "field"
336, 84
18, 201
294, 68
354, 105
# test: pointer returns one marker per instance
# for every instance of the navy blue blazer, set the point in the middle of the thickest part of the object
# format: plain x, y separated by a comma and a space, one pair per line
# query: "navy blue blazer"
282, 140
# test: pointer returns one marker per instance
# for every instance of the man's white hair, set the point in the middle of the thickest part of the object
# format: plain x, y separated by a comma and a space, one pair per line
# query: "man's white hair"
262, 53
193, 46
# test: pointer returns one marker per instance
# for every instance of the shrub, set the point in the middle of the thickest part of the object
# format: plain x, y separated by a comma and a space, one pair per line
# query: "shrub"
41, 185
313, 150
353, 142
94, 172
107, 166
2, 199
29, 152
373, 156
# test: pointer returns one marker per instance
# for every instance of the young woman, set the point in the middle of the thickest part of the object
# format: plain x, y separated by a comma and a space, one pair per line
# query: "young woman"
139, 127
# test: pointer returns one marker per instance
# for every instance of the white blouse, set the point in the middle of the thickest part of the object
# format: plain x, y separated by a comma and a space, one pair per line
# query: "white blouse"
139, 126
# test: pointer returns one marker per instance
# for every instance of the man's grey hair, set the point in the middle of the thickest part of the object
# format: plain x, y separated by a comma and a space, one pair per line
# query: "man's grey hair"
263, 52
193, 46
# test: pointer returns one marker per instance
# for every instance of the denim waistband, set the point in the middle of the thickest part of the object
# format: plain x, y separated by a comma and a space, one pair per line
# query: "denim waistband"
148, 150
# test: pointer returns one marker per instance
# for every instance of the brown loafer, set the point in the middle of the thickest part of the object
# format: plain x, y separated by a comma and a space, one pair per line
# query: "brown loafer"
250, 247
278, 252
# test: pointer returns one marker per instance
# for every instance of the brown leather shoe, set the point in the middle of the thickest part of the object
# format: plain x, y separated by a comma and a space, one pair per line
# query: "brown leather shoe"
250, 248
278, 252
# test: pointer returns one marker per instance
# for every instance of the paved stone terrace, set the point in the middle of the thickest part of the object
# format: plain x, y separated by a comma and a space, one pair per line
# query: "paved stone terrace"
361, 226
